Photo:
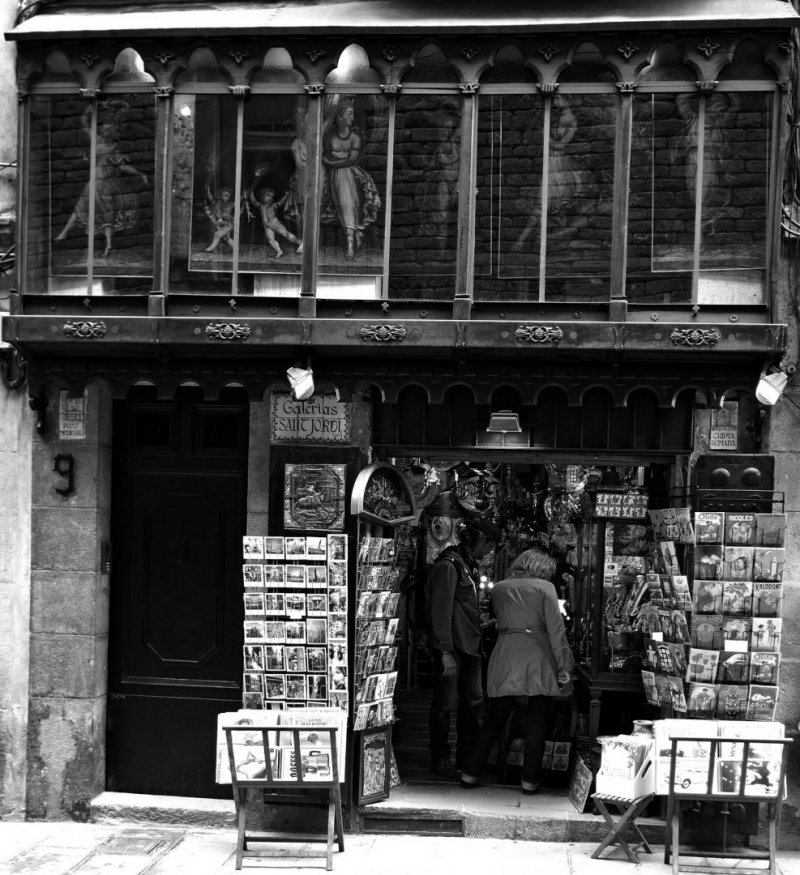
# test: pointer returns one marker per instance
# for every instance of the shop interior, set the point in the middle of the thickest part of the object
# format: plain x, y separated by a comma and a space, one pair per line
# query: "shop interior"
554, 504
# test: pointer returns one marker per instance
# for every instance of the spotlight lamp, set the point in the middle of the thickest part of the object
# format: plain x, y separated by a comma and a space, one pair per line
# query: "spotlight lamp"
301, 381
770, 387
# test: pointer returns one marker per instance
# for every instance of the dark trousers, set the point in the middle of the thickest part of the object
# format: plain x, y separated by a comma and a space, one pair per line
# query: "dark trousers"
537, 726
462, 693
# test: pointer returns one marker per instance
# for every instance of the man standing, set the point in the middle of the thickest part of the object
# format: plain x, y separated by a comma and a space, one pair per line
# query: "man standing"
453, 616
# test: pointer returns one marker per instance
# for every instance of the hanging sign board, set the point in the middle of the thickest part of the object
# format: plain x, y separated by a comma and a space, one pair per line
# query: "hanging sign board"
319, 420
71, 417
724, 427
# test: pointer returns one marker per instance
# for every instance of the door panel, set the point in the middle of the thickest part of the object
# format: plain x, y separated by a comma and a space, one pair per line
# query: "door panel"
176, 605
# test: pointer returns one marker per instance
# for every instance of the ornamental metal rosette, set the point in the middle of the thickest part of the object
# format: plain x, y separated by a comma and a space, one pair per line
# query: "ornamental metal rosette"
383, 333
695, 337
539, 334
227, 331
85, 328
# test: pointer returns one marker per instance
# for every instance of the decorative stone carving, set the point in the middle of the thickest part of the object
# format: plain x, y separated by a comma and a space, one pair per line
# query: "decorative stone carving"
90, 59
627, 49
539, 334
315, 53
391, 89
695, 337
390, 53
315, 90
163, 58
227, 331
383, 333
85, 329
547, 87
471, 51
548, 50
163, 91
706, 86
469, 87
239, 90
627, 87
708, 47
239, 55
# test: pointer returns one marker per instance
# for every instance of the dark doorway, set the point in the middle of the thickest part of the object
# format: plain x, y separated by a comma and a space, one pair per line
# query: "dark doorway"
175, 646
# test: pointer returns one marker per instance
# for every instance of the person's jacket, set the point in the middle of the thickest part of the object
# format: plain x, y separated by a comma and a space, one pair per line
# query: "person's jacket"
531, 640
453, 612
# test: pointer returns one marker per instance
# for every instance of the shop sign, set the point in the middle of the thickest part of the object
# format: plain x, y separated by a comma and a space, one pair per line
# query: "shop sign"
320, 419
71, 417
724, 427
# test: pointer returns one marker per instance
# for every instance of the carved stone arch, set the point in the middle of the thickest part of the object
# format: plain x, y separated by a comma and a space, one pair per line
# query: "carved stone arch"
274, 48
548, 386
680, 50
595, 387
203, 50
578, 44
370, 391
356, 50
128, 58
428, 42
768, 58
661, 395
458, 384
501, 386
723, 395
412, 384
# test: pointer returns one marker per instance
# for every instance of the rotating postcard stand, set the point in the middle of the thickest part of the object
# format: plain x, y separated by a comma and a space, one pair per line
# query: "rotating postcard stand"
383, 502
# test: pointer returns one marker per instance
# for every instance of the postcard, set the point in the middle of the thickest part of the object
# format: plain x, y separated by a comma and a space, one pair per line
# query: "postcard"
295, 547
254, 604
274, 654
295, 632
316, 659
275, 632
275, 686
254, 631
317, 631
740, 529
253, 575
770, 529
316, 548
766, 635
296, 576
737, 597
709, 527
732, 701
317, 687
702, 701
317, 604
707, 632
295, 605
761, 702
337, 548
274, 576
768, 563
734, 667
764, 668
708, 562
738, 563
253, 657
274, 603
767, 598
295, 658
252, 547
316, 576
702, 665
273, 548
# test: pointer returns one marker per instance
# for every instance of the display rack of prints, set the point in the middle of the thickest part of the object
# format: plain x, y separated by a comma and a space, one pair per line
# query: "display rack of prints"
621, 505
378, 596
731, 667
295, 622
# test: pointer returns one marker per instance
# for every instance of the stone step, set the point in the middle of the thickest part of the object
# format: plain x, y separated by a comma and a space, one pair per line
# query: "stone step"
131, 808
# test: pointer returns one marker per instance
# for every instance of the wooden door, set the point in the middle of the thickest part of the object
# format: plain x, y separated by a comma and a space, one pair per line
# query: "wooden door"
175, 646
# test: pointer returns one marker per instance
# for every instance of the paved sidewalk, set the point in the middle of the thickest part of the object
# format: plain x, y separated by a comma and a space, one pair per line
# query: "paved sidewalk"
57, 848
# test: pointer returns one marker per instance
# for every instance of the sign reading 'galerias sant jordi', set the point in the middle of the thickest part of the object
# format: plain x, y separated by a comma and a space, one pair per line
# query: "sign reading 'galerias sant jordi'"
321, 419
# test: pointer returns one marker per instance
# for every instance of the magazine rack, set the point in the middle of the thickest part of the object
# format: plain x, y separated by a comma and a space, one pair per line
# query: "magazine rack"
741, 789
299, 789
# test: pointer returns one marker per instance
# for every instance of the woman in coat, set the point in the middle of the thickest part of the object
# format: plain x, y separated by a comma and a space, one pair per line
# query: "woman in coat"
531, 658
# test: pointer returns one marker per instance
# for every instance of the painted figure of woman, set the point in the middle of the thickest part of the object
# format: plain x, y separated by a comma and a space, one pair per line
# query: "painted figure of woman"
352, 196
294, 201
115, 204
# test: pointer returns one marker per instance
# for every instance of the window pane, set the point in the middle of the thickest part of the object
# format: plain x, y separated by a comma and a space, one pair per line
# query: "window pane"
68, 198
733, 247
661, 207
354, 157
580, 177
274, 178
203, 193
508, 204
425, 197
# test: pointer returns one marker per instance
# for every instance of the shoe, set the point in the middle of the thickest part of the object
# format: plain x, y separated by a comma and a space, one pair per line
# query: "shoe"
443, 766
467, 781
532, 790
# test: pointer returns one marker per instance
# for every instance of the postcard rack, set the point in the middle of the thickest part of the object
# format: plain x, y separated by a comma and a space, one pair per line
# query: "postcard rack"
299, 789
739, 784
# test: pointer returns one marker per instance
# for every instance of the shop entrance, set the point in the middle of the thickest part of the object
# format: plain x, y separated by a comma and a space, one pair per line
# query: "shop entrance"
175, 639
537, 500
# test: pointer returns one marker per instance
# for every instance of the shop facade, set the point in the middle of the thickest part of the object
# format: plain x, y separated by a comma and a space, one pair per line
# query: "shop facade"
570, 222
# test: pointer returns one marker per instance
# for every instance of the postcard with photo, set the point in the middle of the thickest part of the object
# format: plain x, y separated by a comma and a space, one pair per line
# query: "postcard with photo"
253, 575
275, 632
681, 591
295, 547
679, 657
254, 604
275, 686
764, 668
768, 563
771, 530
708, 562
391, 683
317, 631
337, 627
702, 701
732, 702
317, 548
735, 629
295, 658
253, 657
677, 697
315, 658
317, 687
767, 598
254, 631
679, 627
337, 573
252, 547
367, 605
709, 527
337, 653
391, 630
273, 548
274, 654
766, 635
738, 563
664, 691
337, 548
337, 599
275, 603
702, 665
340, 700
253, 701
650, 688
316, 576
707, 632
338, 679
295, 631
274, 577
317, 604
295, 605
296, 576
737, 597
669, 557
296, 686
761, 702
734, 667
740, 529
253, 683
708, 595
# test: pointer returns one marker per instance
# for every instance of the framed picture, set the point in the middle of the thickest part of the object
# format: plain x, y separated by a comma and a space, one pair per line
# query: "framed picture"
374, 751
313, 498
580, 784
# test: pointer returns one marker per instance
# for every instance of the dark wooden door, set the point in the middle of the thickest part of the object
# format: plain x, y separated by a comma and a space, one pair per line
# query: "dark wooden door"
175, 645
